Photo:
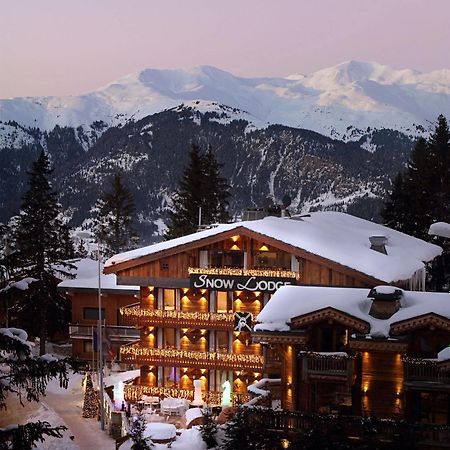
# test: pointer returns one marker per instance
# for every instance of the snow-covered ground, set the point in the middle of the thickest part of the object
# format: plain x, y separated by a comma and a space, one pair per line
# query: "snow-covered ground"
61, 407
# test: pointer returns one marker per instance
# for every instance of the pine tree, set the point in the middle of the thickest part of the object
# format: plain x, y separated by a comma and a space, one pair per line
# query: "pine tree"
217, 191
137, 434
201, 186
114, 219
27, 377
42, 246
237, 432
421, 195
208, 429
91, 401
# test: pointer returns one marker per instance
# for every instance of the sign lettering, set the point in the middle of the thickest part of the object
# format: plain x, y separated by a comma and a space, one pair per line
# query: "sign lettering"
239, 283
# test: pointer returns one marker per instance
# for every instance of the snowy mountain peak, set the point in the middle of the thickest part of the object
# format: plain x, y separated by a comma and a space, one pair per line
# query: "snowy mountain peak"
352, 95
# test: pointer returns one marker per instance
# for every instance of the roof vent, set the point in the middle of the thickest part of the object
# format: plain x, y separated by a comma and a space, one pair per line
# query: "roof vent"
253, 214
385, 301
378, 243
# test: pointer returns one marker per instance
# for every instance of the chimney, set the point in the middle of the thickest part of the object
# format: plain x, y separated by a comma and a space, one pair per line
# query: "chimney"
385, 301
378, 243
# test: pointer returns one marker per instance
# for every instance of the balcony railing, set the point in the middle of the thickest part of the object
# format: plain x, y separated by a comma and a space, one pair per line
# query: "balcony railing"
326, 365
135, 354
134, 315
114, 332
420, 371
134, 393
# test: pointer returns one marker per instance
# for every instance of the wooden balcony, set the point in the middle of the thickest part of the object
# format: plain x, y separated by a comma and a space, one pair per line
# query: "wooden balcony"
134, 393
113, 332
425, 373
326, 366
135, 354
134, 315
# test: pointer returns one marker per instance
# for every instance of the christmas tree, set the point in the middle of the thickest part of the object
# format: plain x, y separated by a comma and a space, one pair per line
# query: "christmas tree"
91, 402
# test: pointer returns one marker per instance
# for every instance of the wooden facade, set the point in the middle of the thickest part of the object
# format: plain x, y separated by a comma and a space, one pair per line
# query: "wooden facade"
337, 369
189, 333
84, 302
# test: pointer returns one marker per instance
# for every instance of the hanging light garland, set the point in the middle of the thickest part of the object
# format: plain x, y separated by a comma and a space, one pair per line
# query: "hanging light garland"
243, 272
200, 317
187, 357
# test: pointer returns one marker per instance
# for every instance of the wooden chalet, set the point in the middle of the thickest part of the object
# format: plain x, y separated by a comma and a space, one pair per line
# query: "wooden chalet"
382, 352
82, 292
200, 294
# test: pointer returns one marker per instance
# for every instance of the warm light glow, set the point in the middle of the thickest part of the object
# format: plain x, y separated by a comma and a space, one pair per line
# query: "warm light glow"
235, 238
285, 443
175, 356
244, 272
234, 247
264, 248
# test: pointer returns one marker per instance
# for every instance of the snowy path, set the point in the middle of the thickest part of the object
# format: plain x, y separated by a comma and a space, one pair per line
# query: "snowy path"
67, 404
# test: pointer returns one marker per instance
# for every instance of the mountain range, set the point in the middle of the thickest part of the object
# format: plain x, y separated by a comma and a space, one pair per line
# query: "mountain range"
330, 140
340, 102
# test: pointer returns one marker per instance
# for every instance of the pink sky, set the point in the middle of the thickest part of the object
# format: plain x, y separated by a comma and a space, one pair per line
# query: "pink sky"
58, 47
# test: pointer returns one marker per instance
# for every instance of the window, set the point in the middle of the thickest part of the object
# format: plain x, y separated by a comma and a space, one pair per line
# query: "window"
226, 259
92, 313
272, 260
164, 266
169, 299
87, 346
222, 302
169, 338
222, 341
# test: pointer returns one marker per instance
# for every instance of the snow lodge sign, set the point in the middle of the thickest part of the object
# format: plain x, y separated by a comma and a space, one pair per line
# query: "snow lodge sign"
224, 279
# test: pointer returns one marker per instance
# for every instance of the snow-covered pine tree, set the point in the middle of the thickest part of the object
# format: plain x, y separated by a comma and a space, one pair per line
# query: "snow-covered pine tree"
114, 216
137, 434
237, 432
208, 429
41, 248
200, 186
91, 400
421, 195
27, 377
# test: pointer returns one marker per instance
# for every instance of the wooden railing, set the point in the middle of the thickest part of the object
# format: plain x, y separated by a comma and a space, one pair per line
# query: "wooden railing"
112, 331
326, 365
135, 315
135, 354
424, 371
361, 430
134, 393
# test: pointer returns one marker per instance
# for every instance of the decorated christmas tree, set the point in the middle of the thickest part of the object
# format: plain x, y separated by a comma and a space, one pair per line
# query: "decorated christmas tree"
91, 402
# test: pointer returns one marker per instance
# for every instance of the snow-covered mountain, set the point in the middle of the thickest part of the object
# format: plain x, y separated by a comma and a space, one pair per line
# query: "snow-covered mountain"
340, 101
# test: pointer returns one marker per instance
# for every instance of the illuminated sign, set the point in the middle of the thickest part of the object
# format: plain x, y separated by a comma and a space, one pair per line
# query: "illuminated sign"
239, 283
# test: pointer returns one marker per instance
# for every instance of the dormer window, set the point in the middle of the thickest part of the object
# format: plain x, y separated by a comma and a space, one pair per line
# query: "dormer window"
378, 243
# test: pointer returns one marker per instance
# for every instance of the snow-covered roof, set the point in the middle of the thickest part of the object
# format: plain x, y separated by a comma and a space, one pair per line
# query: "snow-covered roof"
440, 229
336, 236
292, 301
86, 277
114, 378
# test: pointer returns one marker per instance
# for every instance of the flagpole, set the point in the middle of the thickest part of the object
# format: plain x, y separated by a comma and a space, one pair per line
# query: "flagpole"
100, 338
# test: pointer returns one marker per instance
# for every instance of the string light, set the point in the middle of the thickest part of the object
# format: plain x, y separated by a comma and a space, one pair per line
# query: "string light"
243, 272
194, 316
175, 357
134, 393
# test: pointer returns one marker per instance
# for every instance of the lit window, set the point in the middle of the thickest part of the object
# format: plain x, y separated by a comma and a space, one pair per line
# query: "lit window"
222, 302
169, 299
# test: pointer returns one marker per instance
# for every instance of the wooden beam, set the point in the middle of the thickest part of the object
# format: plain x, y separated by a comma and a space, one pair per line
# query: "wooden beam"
154, 281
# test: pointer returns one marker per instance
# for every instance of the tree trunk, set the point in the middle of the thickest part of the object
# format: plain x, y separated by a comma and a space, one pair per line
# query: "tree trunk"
43, 325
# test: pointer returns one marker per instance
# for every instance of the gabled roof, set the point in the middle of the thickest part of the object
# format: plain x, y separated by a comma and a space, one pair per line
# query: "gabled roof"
86, 278
329, 313
337, 237
297, 303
